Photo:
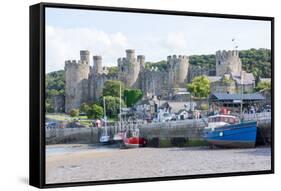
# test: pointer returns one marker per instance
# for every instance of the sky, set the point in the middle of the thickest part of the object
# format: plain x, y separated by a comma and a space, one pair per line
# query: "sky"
109, 34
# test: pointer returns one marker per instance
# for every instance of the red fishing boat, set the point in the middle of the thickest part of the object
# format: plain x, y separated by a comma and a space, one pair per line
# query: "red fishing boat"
133, 140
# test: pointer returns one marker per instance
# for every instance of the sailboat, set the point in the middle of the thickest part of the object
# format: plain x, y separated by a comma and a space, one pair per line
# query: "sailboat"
119, 135
224, 130
105, 138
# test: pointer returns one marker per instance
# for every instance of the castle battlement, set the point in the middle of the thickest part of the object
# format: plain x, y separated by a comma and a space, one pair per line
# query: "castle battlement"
130, 51
76, 63
97, 57
226, 54
141, 56
85, 56
176, 58
71, 62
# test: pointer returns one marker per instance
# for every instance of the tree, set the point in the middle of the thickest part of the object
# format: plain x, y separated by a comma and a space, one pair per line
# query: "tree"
55, 86
94, 111
112, 105
132, 96
74, 113
84, 108
263, 86
49, 106
112, 70
257, 61
161, 65
204, 61
200, 86
112, 88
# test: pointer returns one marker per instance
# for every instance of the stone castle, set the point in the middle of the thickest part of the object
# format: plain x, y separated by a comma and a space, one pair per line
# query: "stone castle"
84, 82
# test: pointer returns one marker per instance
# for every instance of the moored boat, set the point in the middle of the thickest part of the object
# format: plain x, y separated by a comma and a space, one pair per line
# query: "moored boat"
118, 137
133, 140
105, 138
229, 131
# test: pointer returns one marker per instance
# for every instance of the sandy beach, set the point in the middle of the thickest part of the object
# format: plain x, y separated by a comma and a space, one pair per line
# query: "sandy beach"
74, 163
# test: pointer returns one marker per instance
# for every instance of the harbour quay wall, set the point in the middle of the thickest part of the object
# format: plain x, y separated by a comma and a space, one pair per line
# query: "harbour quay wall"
188, 129
185, 133
71, 135
176, 133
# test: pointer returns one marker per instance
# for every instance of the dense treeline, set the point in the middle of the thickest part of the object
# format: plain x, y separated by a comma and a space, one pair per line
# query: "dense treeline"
257, 61
55, 85
204, 61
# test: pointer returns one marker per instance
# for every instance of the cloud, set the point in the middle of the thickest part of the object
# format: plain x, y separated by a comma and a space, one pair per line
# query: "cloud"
175, 40
65, 43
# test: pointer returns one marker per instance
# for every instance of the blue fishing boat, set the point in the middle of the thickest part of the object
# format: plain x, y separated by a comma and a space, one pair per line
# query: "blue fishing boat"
229, 131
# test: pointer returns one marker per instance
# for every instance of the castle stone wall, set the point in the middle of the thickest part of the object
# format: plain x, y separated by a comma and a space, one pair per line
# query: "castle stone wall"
154, 83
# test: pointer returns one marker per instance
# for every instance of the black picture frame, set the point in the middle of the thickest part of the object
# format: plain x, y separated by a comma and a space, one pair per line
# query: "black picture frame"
37, 93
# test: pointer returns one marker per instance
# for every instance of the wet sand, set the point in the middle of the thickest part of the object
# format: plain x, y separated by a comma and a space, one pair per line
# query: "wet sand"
84, 163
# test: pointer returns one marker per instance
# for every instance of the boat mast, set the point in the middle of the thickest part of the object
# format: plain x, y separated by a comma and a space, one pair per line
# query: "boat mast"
120, 117
241, 82
104, 111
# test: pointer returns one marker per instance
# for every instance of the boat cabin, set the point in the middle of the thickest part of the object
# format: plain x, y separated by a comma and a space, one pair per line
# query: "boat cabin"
222, 120
132, 133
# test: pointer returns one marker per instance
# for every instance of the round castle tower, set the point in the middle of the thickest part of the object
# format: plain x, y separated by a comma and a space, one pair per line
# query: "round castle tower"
76, 82
228, 62
85, 56
141, 61
97, 67
130, 55
178, 69
129, 68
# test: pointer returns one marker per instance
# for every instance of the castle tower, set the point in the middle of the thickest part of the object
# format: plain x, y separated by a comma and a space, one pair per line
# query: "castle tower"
130, 55
97, 68
85, 56
76, 84
228, 62
177, 70
129, 69
141, 61
183, 64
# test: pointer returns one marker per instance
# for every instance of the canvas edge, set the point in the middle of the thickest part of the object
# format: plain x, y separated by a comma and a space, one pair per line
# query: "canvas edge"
37, 153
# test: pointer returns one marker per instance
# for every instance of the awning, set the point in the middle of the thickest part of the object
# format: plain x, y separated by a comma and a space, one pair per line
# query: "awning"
237, 97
